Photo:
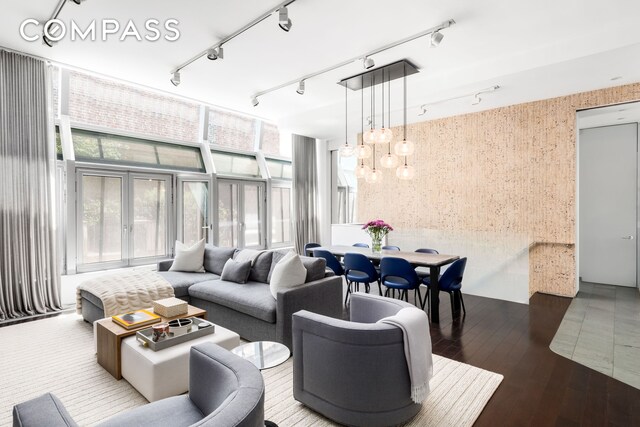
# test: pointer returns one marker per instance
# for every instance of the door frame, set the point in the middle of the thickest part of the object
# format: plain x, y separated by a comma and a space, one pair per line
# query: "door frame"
81, 266
167, 178
262, 206
128, 177
577, 195
181, 179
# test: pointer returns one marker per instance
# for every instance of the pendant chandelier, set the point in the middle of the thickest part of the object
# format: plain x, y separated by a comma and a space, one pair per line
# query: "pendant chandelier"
369, 166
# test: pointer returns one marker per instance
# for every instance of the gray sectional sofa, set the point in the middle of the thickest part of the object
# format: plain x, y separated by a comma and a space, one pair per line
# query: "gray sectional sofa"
249, 309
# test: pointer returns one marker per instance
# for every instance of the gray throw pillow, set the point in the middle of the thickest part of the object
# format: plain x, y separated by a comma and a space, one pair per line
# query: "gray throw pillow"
215, 258
235, 271
261, 267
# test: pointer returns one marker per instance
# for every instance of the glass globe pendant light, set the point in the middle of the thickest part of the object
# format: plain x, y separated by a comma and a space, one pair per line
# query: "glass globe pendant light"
371, 136
362, 170
346, 150
405, 171
384, 134
405, 147
375, 175
389, 160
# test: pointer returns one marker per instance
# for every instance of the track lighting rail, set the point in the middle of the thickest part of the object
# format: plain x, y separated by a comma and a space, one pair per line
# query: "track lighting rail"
432, 30
233, 35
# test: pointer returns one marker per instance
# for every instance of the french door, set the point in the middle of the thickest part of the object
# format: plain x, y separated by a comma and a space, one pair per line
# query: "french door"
123, 218
241, 214
194, 210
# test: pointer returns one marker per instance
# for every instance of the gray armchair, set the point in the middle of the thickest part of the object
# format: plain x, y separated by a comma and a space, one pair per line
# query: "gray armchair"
224, 391
353, 372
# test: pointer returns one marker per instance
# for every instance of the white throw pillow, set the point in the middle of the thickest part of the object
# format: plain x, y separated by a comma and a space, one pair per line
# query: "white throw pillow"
289, 272
189, 259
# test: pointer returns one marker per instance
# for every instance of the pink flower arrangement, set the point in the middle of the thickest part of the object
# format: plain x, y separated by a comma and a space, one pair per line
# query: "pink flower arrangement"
377, 229
377, 226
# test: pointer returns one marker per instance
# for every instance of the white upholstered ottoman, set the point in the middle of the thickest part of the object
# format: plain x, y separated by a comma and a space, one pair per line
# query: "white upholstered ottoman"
165, 373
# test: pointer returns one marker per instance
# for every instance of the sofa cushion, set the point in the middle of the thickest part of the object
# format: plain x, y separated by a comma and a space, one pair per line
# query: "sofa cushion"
252, 298
181, 281
215, 258
315, 266
242, 255
236, 271
188, 258
288, 273
261, 267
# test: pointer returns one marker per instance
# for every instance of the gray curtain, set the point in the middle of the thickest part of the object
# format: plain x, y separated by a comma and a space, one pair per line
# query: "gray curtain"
305, 191
29, 277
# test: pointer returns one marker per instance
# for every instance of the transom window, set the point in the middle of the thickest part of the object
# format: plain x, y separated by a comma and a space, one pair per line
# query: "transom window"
234, 164
279, 169
103, 148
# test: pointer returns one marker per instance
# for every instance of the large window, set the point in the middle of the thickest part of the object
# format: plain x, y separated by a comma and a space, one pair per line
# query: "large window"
103, 148
240, 213
124, 218
281, 224
346, 186
245, 165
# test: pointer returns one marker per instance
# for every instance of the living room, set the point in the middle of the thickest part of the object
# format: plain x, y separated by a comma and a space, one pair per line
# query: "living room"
275, 171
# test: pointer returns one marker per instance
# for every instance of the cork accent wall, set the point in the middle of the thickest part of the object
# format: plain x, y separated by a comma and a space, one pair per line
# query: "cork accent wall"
511, 169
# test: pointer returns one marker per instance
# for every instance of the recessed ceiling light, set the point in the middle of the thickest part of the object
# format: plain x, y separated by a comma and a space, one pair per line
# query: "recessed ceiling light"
620, 118
616, 78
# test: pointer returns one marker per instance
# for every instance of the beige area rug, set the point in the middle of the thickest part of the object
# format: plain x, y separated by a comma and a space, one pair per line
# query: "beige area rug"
57, 355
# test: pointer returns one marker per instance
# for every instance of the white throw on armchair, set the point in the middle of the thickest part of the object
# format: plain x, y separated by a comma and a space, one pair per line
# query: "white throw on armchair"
355, 372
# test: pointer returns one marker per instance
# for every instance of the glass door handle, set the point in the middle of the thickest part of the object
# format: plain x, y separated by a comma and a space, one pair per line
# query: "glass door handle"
627, 237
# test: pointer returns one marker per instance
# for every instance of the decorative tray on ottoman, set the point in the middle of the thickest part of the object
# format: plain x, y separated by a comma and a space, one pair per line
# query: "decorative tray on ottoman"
199, 328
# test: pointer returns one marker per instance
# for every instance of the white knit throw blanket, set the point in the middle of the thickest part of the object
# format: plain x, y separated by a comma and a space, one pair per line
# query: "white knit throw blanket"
414, 324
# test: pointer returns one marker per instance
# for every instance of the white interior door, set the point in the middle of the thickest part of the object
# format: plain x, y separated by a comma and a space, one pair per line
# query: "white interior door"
608, 164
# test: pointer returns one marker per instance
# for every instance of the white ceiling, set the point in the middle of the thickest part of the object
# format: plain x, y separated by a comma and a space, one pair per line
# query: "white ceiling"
610, 115
533, 50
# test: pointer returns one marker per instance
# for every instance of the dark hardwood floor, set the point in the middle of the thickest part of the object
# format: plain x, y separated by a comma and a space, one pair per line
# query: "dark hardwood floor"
540, 388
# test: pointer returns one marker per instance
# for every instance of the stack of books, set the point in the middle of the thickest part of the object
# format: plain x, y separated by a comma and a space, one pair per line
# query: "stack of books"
136, 319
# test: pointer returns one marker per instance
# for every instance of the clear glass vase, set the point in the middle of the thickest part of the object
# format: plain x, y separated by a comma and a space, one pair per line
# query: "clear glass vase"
376, 244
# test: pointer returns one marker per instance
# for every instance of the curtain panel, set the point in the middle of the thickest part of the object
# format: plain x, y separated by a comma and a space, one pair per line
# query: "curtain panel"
305, 191
29, 276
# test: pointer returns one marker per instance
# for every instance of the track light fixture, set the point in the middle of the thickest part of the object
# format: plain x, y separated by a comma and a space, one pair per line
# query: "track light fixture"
175, 79
215, 53
255, 101
368, 62
77, 1
300, 89
436, 38
476, 99
283, 19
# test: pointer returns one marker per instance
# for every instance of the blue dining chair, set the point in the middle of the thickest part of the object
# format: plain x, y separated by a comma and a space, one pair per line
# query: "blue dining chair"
427, 251
390, 248
332, 261
360, 245
422, 271
358, 269
310, 245
451, 282
398, 273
